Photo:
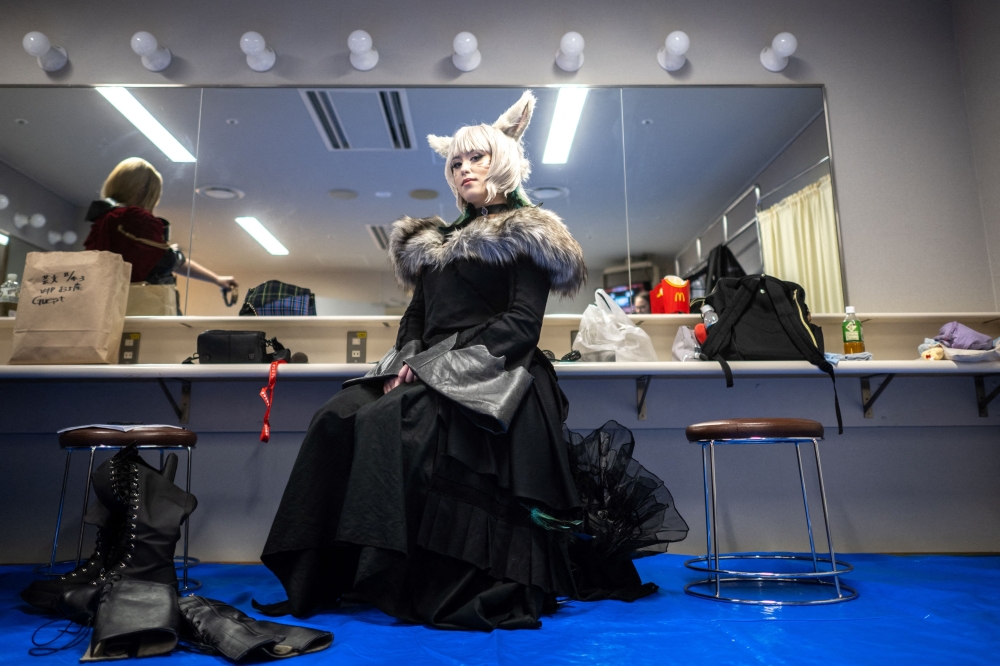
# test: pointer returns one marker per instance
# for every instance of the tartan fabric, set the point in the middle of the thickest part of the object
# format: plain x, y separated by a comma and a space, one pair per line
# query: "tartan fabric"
274, 298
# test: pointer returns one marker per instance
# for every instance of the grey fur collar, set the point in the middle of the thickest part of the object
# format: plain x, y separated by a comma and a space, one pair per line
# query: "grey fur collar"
497, 239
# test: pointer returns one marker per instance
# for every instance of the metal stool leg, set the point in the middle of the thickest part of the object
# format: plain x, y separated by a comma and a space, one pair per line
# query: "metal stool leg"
826, 517
86, 501
715, 519
187, 521
805, 502
708, 505
62, 504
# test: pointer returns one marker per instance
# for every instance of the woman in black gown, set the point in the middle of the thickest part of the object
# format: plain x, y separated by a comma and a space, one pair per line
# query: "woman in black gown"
441, 487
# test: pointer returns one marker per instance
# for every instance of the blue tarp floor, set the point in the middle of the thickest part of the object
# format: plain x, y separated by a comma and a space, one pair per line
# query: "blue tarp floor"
911, 610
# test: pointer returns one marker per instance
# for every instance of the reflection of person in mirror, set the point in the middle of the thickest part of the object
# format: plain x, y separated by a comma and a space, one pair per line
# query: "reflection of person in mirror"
640, 303
441, 487
123, 222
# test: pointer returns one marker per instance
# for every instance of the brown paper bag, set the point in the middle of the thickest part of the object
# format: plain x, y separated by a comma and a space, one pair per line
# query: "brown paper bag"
71, 308
151, 300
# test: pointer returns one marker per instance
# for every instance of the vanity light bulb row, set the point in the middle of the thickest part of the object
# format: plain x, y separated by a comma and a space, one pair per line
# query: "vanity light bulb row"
466, 56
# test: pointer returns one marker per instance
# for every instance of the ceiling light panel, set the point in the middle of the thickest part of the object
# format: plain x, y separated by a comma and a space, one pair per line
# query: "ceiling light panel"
569, 106
137, 114
253, 227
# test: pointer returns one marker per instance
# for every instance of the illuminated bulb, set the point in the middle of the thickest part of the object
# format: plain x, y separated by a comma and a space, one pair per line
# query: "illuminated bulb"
363, 56
50, 58
55, 238
20, 220
671, 56
4, 201
69, 237
466, 56
155, 58
260, 57
37, 220
570, 55
775, 57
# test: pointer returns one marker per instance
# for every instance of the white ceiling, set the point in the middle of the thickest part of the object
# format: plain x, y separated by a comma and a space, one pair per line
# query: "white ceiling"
702, 146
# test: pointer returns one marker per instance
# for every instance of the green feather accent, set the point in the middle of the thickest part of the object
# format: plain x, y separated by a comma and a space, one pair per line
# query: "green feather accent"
548, 522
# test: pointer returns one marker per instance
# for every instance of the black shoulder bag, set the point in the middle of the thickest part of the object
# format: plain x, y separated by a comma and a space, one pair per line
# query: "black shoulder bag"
762, 318
238, 347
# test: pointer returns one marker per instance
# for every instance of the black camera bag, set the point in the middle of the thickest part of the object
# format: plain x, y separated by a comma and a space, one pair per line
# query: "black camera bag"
762, 318
239, 347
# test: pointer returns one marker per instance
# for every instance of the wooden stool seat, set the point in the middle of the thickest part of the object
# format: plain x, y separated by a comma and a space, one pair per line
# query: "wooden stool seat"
153, 437
766, 428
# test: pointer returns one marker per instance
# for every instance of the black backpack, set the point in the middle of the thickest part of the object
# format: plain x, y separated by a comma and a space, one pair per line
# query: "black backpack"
762, 318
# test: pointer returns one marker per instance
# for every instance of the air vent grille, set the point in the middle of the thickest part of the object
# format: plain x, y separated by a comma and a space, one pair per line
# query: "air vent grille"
379, 234
365, 119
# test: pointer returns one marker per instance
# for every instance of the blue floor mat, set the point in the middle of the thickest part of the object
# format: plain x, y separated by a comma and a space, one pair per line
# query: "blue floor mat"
911, 610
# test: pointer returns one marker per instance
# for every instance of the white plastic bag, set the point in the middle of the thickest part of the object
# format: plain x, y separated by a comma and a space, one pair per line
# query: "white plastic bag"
685, 347
607, 334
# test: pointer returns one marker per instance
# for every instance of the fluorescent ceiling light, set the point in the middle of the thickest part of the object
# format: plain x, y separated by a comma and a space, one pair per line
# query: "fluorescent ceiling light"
4, 239
569, 105
261, 235
137, 114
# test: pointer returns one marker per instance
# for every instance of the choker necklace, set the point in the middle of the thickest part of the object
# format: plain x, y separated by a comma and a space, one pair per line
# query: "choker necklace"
495, 208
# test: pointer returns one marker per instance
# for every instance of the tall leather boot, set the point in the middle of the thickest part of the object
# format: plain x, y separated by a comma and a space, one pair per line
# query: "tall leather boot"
110, 521
234, 634
133, 618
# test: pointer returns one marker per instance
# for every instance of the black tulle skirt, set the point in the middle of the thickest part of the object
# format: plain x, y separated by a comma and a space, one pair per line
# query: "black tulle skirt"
401, 502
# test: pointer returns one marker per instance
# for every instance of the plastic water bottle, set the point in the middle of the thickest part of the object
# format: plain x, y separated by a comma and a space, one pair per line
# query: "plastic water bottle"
709, 315
9, 292
854, 339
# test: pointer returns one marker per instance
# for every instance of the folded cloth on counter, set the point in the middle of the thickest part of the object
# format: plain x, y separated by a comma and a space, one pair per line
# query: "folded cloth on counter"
837, 358
960, 336
962, 355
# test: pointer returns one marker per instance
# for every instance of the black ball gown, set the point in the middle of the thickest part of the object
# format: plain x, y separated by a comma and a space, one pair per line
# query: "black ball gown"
455, 501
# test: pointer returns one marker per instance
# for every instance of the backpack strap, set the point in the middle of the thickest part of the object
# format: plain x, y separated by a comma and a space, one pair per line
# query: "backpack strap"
721, 332
797, 331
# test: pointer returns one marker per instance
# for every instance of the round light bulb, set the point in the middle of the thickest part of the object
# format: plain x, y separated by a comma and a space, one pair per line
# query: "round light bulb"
678, 43
69, 237
465, 43
4, 201
359, 42
55, 237
784, 44
36, 44
37, 220
771, 60
144, 44
20, 220
571, 43
252, 43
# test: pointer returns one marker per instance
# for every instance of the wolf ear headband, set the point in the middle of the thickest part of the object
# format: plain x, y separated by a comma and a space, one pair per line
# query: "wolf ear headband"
513, 122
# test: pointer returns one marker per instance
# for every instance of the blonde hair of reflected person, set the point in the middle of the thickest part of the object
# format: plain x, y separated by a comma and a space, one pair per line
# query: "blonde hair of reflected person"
508, 165
134, 182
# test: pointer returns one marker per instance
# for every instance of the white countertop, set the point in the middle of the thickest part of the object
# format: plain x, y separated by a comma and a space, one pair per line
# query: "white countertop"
319, 371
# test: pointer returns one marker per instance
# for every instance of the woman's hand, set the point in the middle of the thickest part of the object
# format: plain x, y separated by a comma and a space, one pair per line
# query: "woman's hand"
405, 376
227, 282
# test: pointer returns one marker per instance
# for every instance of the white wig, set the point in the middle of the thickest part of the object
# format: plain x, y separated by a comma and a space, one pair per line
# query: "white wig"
501, 140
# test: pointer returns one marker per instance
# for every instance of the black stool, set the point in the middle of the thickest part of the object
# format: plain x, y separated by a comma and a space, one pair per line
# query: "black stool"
824, 580
146, 438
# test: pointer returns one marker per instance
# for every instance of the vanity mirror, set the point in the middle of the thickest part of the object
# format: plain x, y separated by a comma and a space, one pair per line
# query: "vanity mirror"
658, 175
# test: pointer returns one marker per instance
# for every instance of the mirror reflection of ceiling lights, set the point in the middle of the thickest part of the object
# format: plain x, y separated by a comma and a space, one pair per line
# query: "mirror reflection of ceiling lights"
256, 230
137, 114
220, 192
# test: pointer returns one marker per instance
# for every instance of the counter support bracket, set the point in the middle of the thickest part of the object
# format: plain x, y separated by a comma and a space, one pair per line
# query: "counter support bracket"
868, 398
982, 399
641, 389
183, 411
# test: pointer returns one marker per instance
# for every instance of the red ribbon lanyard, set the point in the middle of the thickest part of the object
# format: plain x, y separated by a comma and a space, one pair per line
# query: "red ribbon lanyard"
267, 394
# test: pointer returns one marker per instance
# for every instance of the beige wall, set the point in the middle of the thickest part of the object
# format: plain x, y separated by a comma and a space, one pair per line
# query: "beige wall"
903, 159
977, 26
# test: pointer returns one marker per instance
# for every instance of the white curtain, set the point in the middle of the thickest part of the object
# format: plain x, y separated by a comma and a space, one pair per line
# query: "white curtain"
798, 239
